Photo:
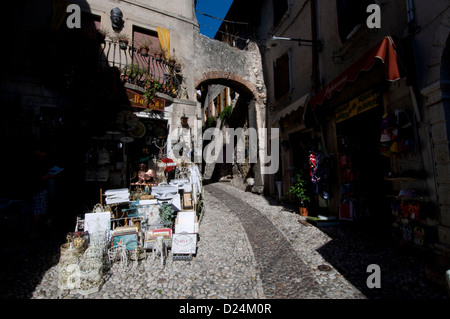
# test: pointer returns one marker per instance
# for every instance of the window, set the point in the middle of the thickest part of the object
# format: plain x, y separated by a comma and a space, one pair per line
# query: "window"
351, 13
281, 76
142, 36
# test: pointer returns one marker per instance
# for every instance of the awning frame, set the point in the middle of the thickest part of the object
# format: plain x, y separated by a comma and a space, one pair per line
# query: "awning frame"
384, 51
301, 102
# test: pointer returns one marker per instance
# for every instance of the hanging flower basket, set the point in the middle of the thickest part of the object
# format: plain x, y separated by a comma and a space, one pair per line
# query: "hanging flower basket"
144, 51
177, 67
123, 44
158, 56
144, 47
123, 41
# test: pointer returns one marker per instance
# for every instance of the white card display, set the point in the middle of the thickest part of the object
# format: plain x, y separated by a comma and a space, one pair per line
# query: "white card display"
98, 224
185, 222
184, 243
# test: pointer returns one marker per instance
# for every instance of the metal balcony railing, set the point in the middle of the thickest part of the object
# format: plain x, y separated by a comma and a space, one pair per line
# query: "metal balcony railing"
140, 69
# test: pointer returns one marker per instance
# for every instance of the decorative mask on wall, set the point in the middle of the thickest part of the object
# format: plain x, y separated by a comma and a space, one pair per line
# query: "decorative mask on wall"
116, 19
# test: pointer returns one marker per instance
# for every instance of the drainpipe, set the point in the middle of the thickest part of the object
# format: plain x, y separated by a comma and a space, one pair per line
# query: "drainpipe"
412, 29
315, 48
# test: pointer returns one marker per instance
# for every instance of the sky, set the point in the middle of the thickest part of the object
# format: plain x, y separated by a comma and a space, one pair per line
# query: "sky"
215, 8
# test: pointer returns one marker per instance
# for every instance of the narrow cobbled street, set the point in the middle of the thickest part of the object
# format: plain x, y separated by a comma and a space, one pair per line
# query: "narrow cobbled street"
249, 248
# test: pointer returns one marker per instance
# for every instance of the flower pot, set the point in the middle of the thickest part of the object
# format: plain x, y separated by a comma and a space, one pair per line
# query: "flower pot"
303, 211
144, 51
123, 44
158, 56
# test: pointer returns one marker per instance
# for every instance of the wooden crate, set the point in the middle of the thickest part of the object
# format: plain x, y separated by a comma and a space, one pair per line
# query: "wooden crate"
188, 202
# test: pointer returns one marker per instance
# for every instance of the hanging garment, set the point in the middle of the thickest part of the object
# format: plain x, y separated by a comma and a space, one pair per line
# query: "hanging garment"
314, 161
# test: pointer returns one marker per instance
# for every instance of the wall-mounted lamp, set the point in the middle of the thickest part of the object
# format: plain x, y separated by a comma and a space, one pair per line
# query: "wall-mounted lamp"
275, 41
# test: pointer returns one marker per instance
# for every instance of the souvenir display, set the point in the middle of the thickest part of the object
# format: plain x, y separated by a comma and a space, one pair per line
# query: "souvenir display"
162, 221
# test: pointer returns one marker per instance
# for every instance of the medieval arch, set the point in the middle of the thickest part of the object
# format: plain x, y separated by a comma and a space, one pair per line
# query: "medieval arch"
218, 63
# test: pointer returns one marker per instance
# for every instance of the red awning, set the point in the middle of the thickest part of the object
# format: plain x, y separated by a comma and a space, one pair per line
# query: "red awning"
384, 51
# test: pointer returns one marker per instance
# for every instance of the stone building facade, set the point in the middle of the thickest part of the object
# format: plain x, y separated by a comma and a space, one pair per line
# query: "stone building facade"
311, 87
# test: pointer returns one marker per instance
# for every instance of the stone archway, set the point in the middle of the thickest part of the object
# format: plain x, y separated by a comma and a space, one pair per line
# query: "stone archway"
218, 63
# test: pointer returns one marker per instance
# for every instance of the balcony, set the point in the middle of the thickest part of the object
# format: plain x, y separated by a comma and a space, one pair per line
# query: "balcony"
149, 74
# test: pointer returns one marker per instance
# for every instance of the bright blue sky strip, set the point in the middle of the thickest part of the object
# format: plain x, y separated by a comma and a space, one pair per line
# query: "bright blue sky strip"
215, 8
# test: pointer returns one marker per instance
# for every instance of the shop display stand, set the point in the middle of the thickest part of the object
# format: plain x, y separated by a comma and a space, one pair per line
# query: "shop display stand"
128, 229
408, 198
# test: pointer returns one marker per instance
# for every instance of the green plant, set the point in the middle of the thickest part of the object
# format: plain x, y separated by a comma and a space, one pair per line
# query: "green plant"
210, 121
144, 47
226, 112
167, 214
145, 44
133, 70
299, 190
151, 87
122, 39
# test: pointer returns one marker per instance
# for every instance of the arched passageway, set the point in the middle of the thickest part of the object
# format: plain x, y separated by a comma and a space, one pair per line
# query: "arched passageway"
241, 70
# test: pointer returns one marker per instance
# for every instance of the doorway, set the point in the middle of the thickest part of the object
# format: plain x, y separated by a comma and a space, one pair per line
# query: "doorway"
361, 166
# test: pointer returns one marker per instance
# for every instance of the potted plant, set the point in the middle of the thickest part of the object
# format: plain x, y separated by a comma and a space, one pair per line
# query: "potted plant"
171, 61
299, 190
175, 64
167, 214
123, 40
151, 87
144, 47
158, 55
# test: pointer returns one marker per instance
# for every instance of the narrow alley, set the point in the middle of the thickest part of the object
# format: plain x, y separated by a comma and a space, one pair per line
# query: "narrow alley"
249, 248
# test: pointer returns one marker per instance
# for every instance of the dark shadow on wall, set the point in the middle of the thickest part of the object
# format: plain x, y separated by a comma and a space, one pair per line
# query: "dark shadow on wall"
54, 99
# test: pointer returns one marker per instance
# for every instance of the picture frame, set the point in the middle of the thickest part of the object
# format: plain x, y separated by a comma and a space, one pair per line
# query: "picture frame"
186, 222
151, 235
98, 224
184, 243
130, 239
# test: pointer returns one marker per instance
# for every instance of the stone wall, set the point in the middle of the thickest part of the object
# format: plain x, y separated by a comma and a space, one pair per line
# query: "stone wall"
218, 63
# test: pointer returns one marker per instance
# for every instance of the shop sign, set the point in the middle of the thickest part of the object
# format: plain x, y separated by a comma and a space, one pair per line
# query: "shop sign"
138, 100
358, 105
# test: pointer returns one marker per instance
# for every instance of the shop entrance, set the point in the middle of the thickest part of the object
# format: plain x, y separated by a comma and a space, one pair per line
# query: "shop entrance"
303, 144
361, 166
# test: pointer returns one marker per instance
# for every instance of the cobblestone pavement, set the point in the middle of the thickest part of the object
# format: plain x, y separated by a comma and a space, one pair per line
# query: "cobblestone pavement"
248, 248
